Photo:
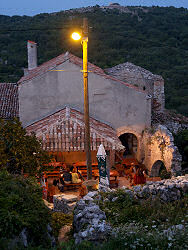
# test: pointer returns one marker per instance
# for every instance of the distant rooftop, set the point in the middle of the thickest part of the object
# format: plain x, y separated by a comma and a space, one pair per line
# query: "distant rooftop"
123, 71
8, 100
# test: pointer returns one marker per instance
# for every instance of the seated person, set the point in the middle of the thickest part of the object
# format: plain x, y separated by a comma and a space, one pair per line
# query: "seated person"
66, 177
75, 177
78, 172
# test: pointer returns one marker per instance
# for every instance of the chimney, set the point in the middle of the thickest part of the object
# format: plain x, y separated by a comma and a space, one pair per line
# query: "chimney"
32, 55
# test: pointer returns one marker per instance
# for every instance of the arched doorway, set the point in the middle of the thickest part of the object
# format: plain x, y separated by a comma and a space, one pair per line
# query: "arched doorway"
156, 169
130, 142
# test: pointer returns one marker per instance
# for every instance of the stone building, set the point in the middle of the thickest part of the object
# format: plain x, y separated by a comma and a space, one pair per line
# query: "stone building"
123, 101
152, 84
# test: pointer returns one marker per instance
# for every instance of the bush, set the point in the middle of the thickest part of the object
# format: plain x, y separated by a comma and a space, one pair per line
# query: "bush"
164, 174
20, 152
181, 141
126, 210
21, 206
59, 220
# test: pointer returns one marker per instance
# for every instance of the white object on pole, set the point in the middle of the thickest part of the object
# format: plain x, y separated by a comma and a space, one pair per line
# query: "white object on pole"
101, 152
103, 178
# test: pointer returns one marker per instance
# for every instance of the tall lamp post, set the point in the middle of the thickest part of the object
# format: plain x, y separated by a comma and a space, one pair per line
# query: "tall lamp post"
84, 41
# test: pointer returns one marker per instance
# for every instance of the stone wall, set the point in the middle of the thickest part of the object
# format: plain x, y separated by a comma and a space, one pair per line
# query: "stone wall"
159, 146
152, 84
64, 202
90, 221
174, 122
167, 190
140, 150
156, 144
158, 104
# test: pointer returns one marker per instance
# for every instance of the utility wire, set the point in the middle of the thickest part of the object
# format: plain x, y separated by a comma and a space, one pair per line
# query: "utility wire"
18, 30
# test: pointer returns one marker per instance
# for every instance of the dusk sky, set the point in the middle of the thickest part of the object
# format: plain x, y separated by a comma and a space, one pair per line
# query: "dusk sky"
30, 8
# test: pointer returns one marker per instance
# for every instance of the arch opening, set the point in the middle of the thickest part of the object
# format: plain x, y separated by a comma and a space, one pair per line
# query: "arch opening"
157, 168
130, 143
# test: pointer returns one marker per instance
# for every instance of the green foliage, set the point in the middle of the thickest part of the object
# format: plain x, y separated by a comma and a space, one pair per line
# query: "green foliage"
137, 238
83, 246
181, 140
21, 206
59, 220
164, 174
20, 152
157, 41
126, 210
153, 227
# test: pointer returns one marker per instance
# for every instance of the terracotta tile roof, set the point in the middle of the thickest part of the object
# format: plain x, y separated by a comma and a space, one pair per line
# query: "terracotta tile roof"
64, 131
53, 63
8, 100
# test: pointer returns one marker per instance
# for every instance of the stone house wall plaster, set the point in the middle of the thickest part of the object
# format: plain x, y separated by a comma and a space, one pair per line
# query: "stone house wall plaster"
110, 101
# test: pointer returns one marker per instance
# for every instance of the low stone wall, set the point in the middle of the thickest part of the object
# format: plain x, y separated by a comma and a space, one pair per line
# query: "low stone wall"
64, 203
167, 190
90, 221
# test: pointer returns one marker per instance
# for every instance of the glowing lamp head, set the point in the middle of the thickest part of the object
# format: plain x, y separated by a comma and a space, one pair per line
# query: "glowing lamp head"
76, 36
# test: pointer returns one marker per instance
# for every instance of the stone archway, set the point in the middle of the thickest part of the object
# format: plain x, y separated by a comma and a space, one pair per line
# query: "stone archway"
130, 142
139, 152
156, 169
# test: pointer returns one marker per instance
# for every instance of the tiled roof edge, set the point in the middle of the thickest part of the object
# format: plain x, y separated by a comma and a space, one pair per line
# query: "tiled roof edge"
75, 60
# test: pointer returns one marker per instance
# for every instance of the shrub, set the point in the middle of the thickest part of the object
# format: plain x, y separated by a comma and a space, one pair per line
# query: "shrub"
164, 174
20, 152
181, 141
126, 210
21, 206
59, 220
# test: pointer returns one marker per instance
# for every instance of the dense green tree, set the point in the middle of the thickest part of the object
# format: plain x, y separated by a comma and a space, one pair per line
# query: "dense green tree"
19, 152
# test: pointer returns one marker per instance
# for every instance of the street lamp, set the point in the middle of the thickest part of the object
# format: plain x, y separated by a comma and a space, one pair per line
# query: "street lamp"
84, 40
76, 36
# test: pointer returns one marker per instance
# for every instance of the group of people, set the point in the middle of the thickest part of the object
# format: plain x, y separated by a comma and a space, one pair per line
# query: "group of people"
67, 176
136, 174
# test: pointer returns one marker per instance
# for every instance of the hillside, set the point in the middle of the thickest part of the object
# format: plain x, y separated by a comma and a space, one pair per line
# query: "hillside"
155, 38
